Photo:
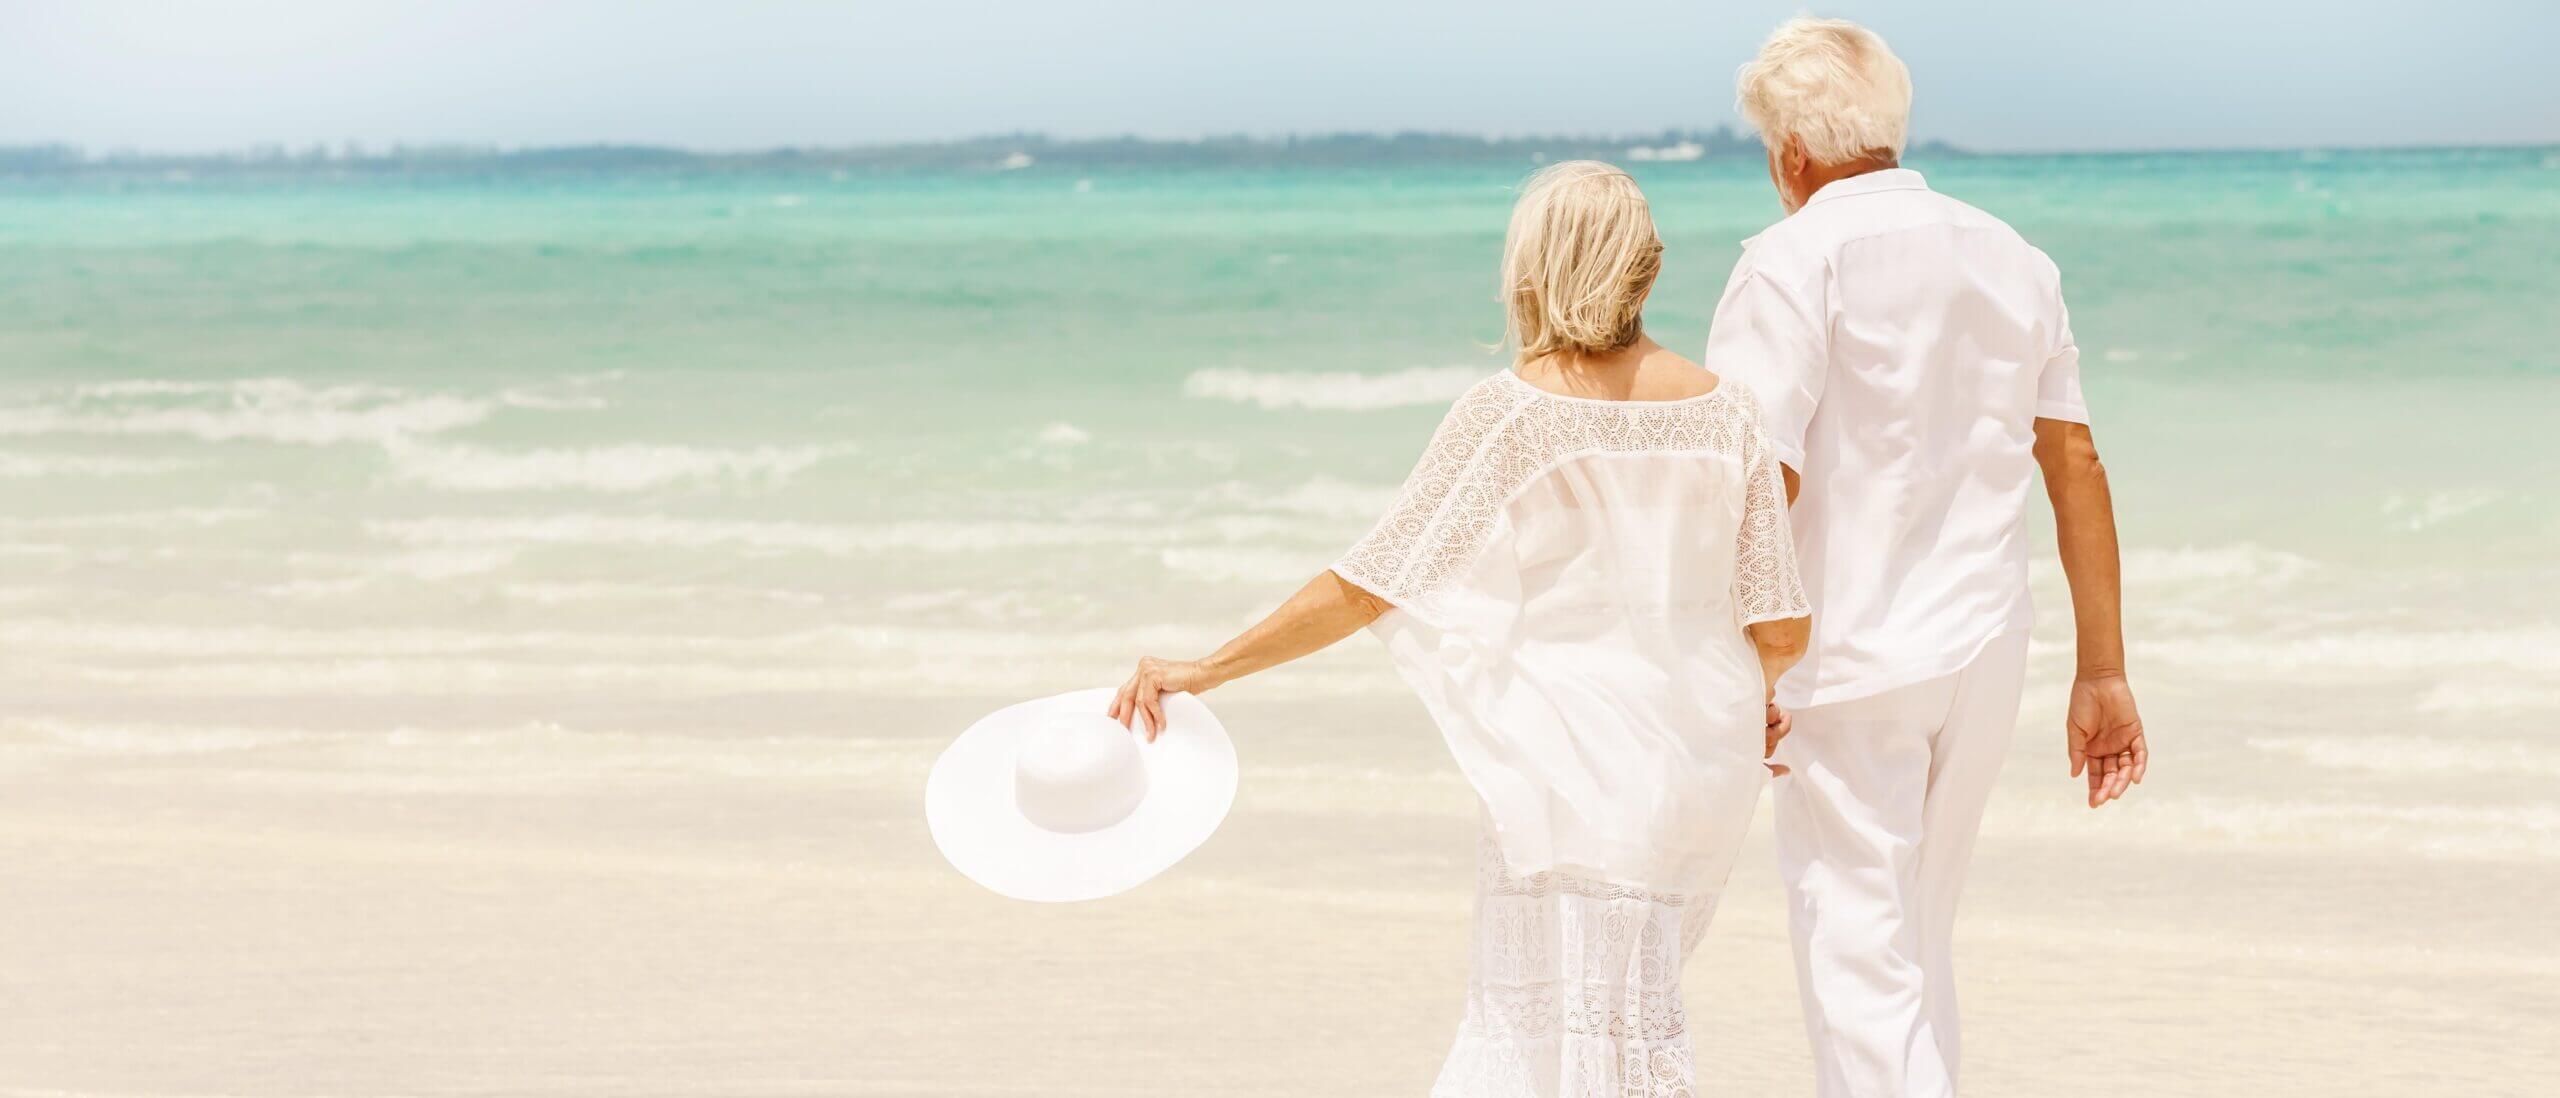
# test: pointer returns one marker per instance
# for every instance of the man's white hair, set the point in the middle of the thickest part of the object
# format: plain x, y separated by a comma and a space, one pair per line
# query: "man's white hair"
1831, 84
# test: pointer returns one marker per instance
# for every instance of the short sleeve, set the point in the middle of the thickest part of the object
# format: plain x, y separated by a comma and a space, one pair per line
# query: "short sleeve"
1766, 586
1768, 337
2058, 386
1436, 525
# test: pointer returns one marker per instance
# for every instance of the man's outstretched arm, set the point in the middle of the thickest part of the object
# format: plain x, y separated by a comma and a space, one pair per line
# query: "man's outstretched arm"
2104, 732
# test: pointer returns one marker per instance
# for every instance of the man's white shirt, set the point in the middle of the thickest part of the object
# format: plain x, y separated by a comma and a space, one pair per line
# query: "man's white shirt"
1902, 345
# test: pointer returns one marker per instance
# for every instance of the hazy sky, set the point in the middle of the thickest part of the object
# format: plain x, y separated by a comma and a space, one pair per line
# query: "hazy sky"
1992, 74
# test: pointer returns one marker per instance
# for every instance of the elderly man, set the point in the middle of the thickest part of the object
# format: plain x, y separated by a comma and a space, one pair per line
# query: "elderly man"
1916, 364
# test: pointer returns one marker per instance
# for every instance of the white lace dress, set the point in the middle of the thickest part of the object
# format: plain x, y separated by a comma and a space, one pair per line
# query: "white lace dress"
1571, 578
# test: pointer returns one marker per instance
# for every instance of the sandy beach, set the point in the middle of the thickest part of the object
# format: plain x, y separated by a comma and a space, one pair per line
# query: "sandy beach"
277, 927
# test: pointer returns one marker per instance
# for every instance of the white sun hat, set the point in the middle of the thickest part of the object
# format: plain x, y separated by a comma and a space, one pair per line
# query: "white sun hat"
1052, 800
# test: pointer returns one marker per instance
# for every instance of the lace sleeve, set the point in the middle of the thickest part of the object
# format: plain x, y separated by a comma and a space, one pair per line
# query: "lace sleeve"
1432, 531
1765, 584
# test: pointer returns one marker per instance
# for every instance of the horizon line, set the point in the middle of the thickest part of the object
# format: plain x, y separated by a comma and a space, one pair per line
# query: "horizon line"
354, 149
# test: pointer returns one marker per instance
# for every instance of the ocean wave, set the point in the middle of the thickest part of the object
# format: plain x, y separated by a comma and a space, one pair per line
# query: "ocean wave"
274, 409
2401, 756
1243, 564
2419, 513
428, 564
175, 518
1324, 497
575, 393
131, 641
144, 739
1334, 391
445, 678
763, 535
618, 468
887, 660
563, 594
2488, 832
33, 466
2473, 699
359, 573
2358, 655
2242, 562
532, 757
2197, 566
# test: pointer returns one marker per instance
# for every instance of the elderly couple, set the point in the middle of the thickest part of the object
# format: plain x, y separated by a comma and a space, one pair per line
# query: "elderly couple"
1620, 579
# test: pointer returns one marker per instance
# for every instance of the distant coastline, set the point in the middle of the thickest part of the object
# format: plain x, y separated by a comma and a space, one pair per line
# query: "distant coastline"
990, 154
1001, 153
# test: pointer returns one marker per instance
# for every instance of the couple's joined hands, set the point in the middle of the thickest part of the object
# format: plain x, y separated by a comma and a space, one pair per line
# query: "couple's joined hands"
1781, 722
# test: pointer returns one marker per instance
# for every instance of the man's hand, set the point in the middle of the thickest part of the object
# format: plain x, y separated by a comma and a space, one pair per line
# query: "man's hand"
2105, 736
1781, 722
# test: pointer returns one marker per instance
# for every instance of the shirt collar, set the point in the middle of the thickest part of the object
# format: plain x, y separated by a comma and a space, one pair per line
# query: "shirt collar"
1886, 179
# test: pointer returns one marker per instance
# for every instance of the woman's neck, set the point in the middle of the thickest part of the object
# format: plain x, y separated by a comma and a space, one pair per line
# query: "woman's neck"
1610, 375
1595, 365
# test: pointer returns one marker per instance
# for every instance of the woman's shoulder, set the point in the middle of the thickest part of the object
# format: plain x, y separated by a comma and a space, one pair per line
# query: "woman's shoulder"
1669, 375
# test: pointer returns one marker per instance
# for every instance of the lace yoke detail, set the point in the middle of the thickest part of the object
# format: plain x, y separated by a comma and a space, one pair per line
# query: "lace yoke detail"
1505, 432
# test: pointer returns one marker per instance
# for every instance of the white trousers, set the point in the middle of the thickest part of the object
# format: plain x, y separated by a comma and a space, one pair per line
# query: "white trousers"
1874, 828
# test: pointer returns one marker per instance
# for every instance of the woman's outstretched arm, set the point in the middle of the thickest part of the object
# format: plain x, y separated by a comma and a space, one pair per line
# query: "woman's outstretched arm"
1326, 610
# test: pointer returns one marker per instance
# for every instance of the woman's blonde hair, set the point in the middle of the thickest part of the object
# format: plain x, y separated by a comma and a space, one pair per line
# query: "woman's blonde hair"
1581, 255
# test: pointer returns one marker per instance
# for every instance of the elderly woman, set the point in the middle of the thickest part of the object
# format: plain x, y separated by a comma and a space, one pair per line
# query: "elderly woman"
1590, 582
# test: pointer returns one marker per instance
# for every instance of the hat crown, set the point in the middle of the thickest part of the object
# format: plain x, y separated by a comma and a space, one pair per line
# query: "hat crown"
1078, 772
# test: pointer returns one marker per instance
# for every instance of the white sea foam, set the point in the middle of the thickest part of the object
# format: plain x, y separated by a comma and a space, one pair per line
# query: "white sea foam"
135, 641
1334, 391
1330, 498
574, 393
700, 677
278, 410
949, 535
2401, 755
2490, 698
144, 739
560, 594
32, 466
619, 468
2190, 565
532, 757
2492, 832
176, 518
756, 535
1242, 564
315, 588
430, 564
2358, 655
269, 661
949, 603
2244, 562
2422, 512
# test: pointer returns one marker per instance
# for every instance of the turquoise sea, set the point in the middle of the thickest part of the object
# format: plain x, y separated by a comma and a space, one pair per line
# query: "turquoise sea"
433, 491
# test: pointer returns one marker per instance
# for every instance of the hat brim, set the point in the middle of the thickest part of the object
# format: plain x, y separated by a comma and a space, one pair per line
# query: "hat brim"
969, 805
